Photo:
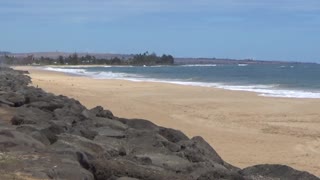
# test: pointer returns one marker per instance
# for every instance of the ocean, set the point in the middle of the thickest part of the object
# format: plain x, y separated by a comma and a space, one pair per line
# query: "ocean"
275, 80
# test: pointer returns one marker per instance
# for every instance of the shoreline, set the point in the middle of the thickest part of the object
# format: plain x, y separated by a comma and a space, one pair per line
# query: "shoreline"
263, 90
244, 128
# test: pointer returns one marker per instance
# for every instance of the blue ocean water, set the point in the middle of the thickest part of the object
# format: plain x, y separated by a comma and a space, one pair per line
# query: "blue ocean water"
277, 80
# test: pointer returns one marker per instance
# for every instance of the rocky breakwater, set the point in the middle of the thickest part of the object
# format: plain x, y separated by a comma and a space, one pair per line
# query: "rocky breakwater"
55, 137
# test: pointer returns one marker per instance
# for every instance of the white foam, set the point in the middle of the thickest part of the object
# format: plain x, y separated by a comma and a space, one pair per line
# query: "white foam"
261, 90
199, 65
124, 66
158, 66
112, 75
96, 75
65, 70
270, 90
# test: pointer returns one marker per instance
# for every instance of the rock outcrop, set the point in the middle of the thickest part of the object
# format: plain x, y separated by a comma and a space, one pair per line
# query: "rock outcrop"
55, 137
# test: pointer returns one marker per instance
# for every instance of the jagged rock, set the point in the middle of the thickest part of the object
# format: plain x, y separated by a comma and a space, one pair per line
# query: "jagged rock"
25, 115
16, 99
112, 169
141, 124
140, 142
89, 134
112, 143
11, 140
44, 105
77, 143
212, 170
71, 108
127, 178
100, 112
34, 132
62, 114
109, 132
171, 162
52, 132
173, 135
6, 102
173, 147
47, 165
87, 114
69, 172
269, 171
198, 150
105, 122
33, 94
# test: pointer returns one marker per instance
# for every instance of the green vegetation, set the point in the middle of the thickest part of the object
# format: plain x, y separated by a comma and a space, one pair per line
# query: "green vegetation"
151, 59
74, 59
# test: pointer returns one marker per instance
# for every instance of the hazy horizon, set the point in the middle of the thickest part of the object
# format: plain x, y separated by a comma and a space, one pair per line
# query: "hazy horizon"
179, 57
244, 29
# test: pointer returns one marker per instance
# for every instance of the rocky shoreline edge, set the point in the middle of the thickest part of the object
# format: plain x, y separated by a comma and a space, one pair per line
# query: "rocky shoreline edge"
55, 137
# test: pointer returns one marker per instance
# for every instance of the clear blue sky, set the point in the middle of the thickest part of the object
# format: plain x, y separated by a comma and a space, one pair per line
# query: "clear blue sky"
259, 29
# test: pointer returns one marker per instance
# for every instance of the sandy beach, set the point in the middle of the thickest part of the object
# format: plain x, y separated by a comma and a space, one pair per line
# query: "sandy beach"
244, 128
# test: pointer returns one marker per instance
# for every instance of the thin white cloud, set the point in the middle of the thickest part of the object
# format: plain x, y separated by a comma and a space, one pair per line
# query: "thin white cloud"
99, 10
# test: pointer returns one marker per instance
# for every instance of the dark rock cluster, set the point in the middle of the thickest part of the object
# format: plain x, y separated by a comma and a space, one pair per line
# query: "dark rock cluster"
55, 137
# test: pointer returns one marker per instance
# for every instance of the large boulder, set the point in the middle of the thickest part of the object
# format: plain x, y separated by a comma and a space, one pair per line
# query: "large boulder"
110, 132
47, 105
173, 135
198, 150
100, 112
71, 108
271, 171
211, 170
114, 146
69, 171
68, 142
41, 165
34, 132
12, 140
140, 124
166, 161
120, 167
30, 115
111, 123
13, 99
140, 142
53, 130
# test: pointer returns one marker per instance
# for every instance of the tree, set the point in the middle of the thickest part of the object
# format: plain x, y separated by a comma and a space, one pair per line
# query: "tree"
74, 59
115, 61
167, 59
8, 59
61, 59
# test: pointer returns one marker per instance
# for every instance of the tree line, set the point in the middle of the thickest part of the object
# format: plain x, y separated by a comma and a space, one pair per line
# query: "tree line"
74, 59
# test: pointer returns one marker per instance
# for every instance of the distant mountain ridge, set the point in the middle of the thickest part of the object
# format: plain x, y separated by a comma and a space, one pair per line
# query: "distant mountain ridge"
228, 61
4, 52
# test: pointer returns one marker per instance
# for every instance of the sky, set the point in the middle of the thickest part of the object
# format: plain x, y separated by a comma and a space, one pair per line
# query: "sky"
256, 29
